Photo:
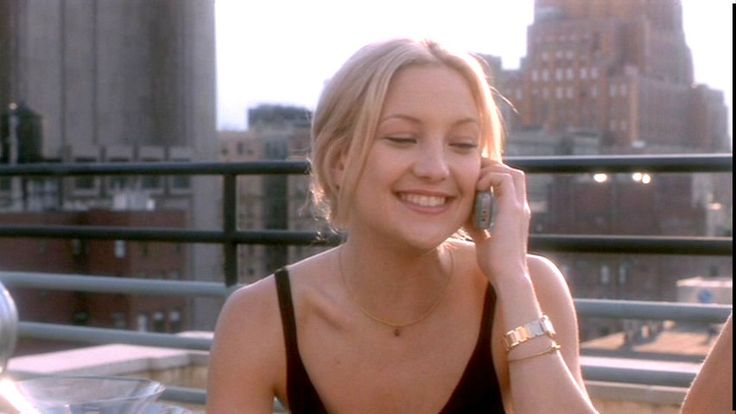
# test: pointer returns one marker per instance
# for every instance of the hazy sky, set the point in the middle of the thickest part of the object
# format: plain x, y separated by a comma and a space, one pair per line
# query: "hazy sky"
282, 51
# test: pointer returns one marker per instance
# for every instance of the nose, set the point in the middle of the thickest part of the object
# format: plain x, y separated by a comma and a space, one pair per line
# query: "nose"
431, 163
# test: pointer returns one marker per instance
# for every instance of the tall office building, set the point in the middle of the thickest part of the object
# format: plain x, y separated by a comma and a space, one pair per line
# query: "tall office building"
616, 77
277, 202
621, 68
119, 81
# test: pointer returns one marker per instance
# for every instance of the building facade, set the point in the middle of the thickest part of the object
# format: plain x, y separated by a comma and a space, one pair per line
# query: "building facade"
110, 258
120, 81
621, 68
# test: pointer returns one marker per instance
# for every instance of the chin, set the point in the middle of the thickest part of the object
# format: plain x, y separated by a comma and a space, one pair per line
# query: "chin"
427, 238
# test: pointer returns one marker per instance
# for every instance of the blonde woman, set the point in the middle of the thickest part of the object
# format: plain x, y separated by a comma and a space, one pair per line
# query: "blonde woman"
406, 316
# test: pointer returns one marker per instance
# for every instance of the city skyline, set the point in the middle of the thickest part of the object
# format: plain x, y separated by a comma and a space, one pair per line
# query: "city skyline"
244, 81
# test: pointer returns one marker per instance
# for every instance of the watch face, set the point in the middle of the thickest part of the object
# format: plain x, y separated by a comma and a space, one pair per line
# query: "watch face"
547, 325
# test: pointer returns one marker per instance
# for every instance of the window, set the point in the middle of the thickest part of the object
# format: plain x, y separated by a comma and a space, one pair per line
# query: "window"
118, 320
583, 73
76, 247
85, 182
183, 182
569, 73
144, 249
174, 321
141, 322
535, 75
623, 273
605, 275
119, 249
151, 182
159, 323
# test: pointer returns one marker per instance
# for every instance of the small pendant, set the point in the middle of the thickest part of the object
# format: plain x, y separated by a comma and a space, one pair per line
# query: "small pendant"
397, 331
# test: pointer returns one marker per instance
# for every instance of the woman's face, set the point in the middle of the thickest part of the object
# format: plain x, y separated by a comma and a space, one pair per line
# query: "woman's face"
420, 175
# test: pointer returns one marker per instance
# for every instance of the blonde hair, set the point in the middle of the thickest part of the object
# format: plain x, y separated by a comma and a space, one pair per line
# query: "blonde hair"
347, 115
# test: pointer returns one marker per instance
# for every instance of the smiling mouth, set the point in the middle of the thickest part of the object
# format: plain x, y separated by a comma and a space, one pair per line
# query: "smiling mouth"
424, 200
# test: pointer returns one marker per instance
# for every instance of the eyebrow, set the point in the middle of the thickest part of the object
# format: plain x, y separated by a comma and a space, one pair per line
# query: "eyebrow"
417, 121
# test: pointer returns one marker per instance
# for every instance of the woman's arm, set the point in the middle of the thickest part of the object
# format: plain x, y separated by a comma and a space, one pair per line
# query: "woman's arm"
712, 389
244, 360
550, 382
538, 377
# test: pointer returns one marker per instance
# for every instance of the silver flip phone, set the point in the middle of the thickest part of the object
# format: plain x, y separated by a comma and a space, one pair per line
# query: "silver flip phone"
483, 210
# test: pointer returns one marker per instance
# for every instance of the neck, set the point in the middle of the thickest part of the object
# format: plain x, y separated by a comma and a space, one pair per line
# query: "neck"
395, 285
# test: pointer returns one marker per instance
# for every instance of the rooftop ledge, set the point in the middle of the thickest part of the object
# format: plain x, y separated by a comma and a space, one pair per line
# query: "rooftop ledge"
111, 359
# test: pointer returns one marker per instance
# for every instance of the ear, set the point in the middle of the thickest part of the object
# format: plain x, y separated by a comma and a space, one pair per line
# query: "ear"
338, 170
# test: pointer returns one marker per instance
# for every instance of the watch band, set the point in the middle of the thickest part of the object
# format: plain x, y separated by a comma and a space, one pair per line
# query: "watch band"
530, 330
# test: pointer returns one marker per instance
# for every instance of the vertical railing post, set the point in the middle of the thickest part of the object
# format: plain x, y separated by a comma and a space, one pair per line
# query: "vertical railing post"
229, 227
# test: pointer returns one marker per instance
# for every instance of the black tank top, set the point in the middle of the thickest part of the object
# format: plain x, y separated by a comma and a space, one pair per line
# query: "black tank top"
477, 392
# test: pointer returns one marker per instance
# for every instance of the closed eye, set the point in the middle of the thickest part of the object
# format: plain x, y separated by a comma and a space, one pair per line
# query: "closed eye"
401, 140
464, 146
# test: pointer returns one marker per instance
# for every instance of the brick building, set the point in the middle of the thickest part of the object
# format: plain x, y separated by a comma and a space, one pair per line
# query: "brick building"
112, 258
619, 67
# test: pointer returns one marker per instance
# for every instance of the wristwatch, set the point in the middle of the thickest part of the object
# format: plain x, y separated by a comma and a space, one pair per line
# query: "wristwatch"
530, 330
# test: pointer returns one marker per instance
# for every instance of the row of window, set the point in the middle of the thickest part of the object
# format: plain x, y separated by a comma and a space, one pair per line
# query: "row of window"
562, 38
559, 74
159, 321
147, 182
568, 92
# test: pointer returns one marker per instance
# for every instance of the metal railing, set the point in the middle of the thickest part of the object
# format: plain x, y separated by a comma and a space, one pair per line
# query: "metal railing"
229, 237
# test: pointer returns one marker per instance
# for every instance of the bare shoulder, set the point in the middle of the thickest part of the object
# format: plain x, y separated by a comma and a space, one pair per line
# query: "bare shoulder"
247, 356
551, 287
546, 276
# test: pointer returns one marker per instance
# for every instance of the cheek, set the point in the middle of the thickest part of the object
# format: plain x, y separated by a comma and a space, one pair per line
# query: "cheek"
470, 173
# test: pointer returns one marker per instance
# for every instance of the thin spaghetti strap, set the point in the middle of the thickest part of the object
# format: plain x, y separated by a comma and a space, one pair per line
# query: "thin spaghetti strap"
300, 392
286, 306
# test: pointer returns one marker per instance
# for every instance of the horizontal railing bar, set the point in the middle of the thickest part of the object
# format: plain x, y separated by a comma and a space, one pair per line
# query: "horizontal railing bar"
268, 237
199, 396
717, 246
603, 308
158, 168
662, 163
691, 246
70, 333
184, 395
107, 284
671, 378
632, 309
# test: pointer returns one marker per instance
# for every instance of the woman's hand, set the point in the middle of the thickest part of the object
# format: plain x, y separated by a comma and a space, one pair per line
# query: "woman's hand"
502, 250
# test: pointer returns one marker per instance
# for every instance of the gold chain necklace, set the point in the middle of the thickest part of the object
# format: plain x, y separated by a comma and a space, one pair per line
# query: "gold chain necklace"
397, 327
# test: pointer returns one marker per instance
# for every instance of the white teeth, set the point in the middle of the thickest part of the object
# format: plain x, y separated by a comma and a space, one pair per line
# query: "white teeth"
424, 200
